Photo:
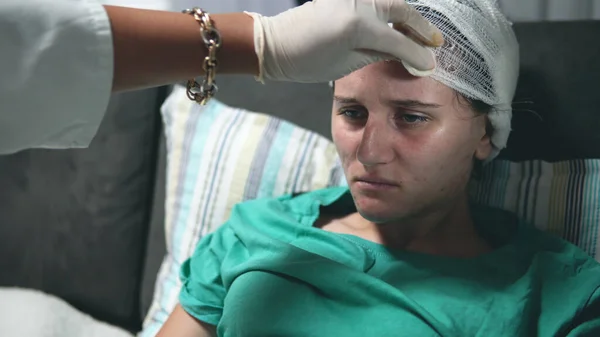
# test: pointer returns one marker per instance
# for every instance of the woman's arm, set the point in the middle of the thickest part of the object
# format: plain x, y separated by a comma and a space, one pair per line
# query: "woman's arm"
181, 324
170, 44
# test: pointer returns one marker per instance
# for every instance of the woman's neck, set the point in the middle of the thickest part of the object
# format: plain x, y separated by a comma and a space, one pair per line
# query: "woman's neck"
448, 232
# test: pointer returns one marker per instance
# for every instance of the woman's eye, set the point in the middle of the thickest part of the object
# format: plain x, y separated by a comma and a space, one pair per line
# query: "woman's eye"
353, 114
413, 119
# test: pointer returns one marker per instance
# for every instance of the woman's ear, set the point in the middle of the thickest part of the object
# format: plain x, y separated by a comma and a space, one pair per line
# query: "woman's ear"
485, 147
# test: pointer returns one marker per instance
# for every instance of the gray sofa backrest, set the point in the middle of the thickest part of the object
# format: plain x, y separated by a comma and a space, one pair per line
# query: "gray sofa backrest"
73, 223
560, 76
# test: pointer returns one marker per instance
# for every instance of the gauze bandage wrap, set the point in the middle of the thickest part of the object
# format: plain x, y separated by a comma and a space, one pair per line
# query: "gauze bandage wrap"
480, 57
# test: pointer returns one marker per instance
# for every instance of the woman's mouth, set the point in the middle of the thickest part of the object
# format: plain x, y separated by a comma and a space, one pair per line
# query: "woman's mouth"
374, 183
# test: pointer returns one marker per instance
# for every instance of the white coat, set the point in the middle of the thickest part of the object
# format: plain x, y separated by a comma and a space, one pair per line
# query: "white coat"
56, 67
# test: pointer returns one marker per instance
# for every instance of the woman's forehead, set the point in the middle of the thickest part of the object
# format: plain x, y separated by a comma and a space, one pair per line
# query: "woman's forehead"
391, 80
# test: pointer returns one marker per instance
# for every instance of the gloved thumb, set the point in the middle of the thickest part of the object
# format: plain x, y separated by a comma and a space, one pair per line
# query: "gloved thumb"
379, 38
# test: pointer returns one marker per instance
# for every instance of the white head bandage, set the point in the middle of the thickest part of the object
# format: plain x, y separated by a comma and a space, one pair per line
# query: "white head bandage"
480, 57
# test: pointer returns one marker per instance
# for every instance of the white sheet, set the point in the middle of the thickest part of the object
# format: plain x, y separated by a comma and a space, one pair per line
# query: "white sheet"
32, 313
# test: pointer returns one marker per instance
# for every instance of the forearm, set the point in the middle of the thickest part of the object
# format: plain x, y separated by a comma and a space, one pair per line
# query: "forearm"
153, 48
181, 324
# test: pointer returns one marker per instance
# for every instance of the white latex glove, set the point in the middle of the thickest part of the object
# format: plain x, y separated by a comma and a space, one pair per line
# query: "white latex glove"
325, 40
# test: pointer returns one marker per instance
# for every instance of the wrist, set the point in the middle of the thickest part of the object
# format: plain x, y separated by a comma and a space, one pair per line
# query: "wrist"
237, 54
259, 44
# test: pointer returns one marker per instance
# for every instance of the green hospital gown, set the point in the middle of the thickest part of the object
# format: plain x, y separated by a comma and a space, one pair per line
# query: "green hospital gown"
269, 272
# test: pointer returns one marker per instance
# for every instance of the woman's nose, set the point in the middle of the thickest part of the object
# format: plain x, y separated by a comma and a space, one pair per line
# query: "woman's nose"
375, 147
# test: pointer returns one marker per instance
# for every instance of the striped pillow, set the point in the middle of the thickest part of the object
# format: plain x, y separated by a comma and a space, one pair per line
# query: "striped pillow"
562, 197
218, 156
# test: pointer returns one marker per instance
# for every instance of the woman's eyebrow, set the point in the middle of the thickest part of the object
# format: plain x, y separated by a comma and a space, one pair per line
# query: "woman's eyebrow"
345, 100
405, 103
412, 103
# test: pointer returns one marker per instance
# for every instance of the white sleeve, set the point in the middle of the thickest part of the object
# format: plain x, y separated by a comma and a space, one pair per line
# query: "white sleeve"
56, 70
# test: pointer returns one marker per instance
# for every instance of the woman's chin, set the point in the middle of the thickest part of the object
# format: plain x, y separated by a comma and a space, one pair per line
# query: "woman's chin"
377, 210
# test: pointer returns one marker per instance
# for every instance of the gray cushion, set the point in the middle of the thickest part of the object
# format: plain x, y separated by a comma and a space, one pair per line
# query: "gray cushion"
559, 75
74, 222
156, 246
306, 105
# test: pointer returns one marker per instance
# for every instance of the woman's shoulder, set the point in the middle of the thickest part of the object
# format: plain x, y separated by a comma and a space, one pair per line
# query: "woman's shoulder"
562, 268
530, 240
561, 253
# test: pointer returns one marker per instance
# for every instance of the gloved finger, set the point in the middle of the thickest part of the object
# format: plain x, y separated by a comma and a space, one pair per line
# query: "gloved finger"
436, 41
363, 57
378, 37
408, 20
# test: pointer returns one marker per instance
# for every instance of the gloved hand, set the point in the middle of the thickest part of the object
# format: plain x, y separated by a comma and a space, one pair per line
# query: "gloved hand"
324, 40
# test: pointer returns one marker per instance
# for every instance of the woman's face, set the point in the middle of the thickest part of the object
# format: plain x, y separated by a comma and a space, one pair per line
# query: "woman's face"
407, 144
